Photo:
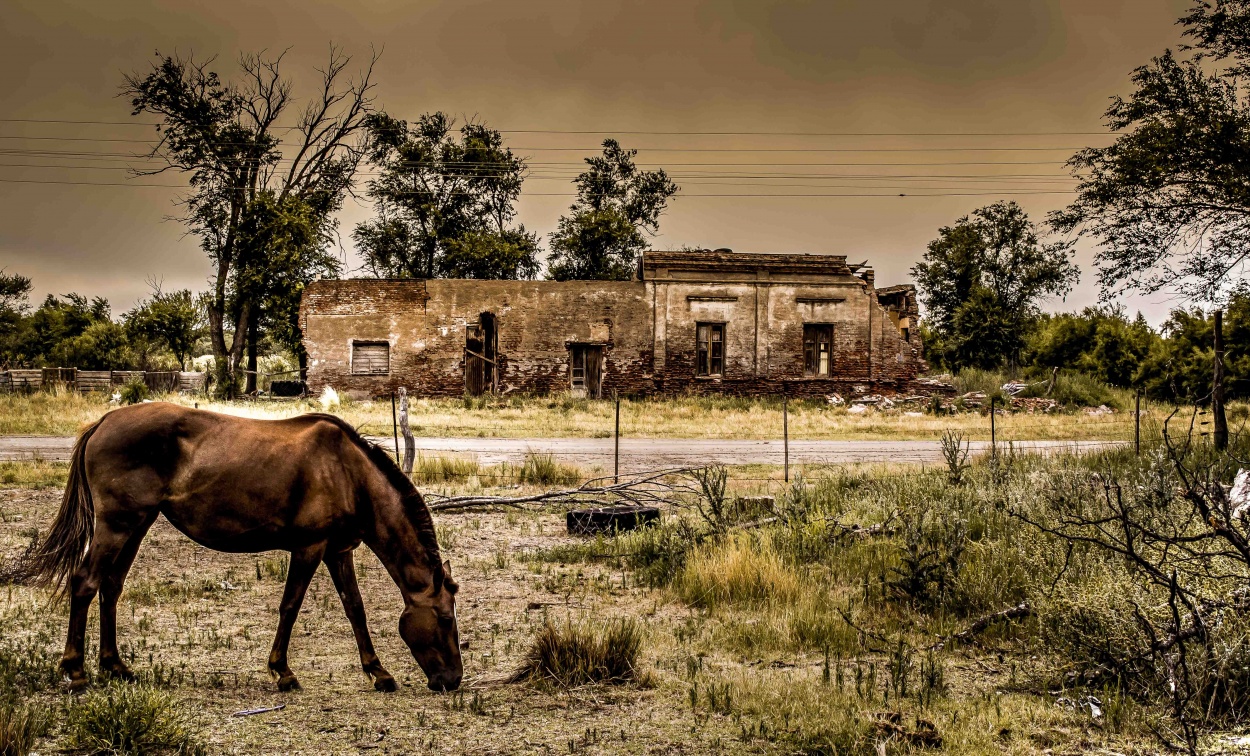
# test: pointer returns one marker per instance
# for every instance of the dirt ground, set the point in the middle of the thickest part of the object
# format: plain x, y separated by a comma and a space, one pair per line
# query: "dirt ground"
202, 622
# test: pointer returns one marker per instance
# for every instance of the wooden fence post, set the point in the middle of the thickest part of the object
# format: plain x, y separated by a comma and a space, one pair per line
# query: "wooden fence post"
410, 444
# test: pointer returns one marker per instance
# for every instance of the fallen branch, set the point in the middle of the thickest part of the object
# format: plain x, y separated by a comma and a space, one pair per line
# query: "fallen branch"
652, 488
976, 628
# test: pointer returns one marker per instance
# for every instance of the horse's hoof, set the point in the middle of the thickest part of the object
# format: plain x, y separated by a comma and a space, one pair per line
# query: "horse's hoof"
79, 684
385, 684
288, 683
118, 671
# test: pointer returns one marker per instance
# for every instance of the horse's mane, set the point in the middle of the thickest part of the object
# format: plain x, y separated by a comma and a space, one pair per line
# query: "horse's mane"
411, 499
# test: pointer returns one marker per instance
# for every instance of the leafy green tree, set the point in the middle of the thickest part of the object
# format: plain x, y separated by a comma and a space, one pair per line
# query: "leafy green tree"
1169, 199
616, 203
173, 320
228, 139
1099, 341
445, 200
14, 304
102, 345
1178, 368
981, 282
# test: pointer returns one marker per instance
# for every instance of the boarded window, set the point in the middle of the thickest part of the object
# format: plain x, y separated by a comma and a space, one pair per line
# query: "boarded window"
371, 358
817, 350
710, 348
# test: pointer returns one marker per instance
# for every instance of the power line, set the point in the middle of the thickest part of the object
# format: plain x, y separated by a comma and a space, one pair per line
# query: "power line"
657, 132
641, 149
573, 194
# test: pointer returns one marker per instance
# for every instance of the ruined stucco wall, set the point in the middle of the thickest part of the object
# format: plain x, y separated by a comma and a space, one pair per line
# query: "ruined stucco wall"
764, 323
425, 323
647, 329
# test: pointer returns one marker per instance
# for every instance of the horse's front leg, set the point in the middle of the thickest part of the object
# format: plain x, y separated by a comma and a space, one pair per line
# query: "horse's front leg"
343, 571
300, 573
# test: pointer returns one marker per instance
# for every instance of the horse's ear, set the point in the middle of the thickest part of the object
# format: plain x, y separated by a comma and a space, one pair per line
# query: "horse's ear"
448, 580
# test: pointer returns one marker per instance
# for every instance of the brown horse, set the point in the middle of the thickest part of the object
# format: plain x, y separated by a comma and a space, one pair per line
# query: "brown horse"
309, 485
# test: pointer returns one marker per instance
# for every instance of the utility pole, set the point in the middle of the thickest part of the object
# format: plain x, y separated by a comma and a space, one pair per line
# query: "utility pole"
1220, 422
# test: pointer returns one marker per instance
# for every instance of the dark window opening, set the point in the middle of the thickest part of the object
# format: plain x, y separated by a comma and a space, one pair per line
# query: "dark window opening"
710, 339
481, 359
817, 350
371, 358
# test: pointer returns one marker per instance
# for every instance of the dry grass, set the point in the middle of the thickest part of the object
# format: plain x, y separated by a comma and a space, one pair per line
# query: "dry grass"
561, 416
766, 665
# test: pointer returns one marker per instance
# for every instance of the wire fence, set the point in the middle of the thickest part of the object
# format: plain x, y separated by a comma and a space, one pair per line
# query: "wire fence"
787, 448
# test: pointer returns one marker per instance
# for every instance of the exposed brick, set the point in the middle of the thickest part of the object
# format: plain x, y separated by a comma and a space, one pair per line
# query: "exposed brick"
646, 328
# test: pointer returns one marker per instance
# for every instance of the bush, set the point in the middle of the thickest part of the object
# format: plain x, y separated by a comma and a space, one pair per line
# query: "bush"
135, 392
581, 653
131, 719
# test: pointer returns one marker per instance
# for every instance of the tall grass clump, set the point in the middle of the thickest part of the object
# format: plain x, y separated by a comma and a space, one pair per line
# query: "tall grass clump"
21, 727
543, 469
132, 720
35, 473
444, 469
739, 569
581, 653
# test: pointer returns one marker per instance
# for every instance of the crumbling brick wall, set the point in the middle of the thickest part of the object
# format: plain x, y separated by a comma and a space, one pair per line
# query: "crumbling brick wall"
645, 329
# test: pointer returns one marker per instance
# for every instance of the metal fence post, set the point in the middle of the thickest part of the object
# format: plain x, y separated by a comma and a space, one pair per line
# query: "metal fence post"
785, 434
1137, 425
616, 444
993, 431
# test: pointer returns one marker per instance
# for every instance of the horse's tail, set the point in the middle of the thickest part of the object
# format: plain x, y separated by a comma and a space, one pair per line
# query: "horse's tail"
50, 563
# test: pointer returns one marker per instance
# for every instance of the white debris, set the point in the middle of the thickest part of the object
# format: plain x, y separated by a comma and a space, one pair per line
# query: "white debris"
857, 409
913, 414
1014, 387
836, 400
1239, 494
329, 399
1101, 409
117, 398
886, 403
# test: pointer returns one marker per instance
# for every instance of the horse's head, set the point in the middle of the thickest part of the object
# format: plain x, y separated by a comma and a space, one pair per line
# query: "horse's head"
428, 626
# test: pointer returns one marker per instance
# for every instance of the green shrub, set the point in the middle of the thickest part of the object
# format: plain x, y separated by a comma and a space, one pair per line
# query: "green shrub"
126, 720
135, 392
586, 652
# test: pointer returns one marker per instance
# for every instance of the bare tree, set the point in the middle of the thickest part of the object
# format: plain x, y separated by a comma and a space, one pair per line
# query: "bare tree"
252, 191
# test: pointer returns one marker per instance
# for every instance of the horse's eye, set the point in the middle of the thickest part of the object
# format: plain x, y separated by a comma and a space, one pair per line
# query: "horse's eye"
445, 621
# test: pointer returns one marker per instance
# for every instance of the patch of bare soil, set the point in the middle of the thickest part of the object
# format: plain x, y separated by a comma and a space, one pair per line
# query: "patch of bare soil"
204, 621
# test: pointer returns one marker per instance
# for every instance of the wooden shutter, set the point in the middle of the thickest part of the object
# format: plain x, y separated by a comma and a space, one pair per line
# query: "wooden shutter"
371, 358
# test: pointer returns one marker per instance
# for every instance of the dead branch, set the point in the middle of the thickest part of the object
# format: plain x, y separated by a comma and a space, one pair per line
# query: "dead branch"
657, 488
1023, 609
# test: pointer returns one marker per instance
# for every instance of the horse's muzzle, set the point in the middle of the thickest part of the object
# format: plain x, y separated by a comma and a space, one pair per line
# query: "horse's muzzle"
444, 683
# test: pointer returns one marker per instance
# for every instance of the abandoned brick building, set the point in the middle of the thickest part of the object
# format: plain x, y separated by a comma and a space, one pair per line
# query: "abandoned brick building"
694, 321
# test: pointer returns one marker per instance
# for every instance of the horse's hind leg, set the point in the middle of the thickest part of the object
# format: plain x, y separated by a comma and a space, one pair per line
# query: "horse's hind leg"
343, 572
107, 544
110, 589
299, 575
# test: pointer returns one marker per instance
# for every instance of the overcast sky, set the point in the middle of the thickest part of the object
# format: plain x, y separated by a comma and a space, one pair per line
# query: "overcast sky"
1034, 74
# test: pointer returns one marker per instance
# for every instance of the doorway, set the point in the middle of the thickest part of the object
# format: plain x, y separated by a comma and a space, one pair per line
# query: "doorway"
481, 356
586, 370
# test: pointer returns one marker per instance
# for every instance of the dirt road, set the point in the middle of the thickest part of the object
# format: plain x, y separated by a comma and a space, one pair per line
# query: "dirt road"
637, 454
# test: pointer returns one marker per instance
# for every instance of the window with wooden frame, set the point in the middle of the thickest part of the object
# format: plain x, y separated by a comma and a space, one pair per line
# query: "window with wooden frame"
710, 348
817, 350
371, 358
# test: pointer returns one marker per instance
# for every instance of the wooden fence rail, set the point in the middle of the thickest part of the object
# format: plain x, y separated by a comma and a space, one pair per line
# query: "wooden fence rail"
27, 380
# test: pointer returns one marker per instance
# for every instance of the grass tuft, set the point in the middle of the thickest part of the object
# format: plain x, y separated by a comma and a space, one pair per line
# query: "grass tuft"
738, 570
21, 726
444, 469
583, 653
130, 720
545, 470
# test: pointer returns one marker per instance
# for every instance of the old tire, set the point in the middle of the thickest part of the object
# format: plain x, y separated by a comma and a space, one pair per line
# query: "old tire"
610, 519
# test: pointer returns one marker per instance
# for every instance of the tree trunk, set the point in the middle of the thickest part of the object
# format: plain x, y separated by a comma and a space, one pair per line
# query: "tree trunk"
249, 382
236, 346
1218, 420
